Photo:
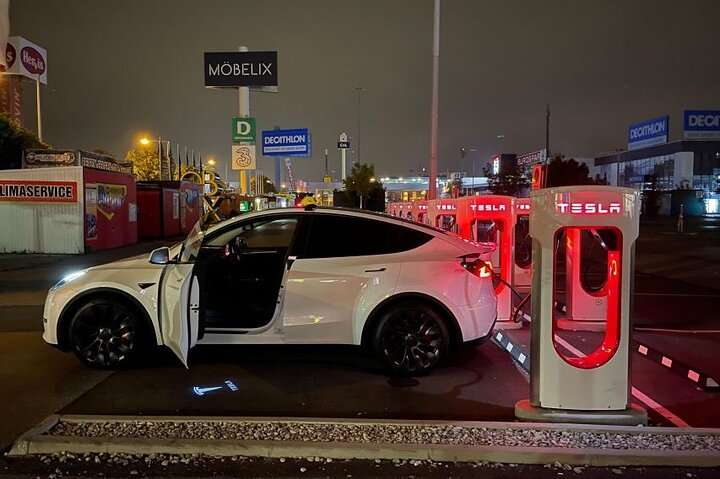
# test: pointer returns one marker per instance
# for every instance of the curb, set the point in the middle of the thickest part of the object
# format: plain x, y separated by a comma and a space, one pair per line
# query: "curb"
36, 441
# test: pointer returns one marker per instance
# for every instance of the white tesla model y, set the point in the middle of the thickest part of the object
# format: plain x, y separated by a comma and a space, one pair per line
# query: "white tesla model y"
408, 291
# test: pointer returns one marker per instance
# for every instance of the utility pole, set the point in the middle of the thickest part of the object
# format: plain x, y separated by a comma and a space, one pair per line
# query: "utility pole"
547, 143
432, 187
547, 129
244, 110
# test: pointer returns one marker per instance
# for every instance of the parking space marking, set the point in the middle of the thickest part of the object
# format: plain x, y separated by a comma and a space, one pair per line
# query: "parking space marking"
639, 395
681, 295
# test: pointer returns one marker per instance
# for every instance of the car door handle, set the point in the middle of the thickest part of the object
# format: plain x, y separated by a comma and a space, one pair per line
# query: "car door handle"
376, 270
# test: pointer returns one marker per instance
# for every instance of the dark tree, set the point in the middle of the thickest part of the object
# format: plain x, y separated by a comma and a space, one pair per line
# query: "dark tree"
510, 183
363, 189
562, 172
13, 140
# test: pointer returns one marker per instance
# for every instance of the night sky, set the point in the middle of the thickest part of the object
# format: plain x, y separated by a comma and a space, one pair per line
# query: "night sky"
121, 69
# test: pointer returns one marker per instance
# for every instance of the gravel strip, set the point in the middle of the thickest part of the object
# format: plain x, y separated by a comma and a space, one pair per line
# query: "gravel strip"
389, 434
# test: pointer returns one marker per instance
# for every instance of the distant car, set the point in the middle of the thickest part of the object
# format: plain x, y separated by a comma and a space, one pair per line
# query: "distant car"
409, 291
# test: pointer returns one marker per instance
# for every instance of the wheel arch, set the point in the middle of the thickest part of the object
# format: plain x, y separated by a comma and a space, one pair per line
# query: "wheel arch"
67, 312
377, 312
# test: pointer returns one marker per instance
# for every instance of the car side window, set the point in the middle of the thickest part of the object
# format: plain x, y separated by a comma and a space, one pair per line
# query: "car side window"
262, 233
333, 236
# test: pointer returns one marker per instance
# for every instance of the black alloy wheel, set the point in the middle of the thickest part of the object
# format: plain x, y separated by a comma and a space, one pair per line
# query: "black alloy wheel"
105, 334
411, 339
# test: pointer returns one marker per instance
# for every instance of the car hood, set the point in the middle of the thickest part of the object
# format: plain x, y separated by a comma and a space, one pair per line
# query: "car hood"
138, 262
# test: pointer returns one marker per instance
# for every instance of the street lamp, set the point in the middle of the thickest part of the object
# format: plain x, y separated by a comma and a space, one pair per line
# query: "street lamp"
145, 141
359, 90
37, 98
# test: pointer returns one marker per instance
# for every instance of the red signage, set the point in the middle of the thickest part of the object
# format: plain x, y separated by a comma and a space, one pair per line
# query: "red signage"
589, 208
46, 191
10, 55
32, 60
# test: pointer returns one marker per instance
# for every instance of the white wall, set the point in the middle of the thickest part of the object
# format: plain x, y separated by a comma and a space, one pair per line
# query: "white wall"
38, 227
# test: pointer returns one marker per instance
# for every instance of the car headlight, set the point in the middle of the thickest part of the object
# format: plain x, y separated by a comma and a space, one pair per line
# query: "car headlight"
67, 278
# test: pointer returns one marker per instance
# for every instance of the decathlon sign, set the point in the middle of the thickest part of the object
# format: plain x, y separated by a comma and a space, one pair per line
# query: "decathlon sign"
701, 124
648, 133
235, 69
286, 142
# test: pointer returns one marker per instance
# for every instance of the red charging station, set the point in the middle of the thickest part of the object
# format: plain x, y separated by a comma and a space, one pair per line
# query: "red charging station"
420, 211
594, 387
491, 219
400, 208
522, 269
589, 256
442, 213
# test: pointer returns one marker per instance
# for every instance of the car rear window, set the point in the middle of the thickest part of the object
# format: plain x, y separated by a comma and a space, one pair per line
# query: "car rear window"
341, 236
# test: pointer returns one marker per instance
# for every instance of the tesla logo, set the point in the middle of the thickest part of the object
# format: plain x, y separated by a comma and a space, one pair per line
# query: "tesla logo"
589, 208
422, 207
447, 207
523, 207
488, 207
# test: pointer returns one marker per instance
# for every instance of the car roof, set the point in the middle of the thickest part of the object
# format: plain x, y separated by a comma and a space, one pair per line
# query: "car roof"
315, 209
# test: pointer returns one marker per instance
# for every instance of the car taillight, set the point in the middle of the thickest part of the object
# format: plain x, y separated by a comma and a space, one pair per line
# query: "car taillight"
478, 267
486, 269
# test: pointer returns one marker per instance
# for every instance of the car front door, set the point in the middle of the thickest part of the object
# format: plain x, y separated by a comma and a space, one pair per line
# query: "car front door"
178, 299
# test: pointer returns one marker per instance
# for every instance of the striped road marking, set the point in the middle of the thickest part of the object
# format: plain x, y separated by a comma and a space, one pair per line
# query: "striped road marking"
635, 392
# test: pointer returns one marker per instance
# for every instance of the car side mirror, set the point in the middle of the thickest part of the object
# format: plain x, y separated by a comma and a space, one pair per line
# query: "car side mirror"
160, 255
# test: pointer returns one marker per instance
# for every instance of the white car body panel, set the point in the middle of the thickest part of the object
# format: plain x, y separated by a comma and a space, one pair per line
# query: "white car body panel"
125, 275
325, 296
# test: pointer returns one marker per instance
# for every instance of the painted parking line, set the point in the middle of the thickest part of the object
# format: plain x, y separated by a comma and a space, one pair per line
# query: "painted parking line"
639, 395
504, 342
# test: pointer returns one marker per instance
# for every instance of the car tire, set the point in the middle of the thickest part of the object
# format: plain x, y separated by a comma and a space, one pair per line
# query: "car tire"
106, 333
411, 338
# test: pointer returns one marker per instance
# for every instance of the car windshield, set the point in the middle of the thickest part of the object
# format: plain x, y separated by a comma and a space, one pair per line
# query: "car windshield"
191, 245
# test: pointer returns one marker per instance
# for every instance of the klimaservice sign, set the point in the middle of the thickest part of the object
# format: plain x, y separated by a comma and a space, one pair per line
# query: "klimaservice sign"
701, 124
286, 142
648, 133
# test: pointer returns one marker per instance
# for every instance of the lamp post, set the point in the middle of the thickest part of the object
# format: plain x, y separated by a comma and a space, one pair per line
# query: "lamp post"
159, 141
359, 90
37, 98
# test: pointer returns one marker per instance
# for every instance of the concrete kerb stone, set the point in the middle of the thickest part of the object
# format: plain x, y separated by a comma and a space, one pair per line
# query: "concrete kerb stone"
37, 441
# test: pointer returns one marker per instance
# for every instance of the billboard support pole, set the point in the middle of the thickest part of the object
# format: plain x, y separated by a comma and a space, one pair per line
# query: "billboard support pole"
244, 111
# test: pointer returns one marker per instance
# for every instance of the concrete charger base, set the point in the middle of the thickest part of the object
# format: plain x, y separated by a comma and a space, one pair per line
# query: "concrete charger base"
631, 416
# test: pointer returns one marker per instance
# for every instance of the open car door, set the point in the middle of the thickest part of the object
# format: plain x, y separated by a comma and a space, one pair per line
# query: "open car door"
179, 298
179, 302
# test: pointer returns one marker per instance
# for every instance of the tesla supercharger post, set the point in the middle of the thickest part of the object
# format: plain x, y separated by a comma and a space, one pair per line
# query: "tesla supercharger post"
491, 219
442, 213
593, 388
522, 269
420, 211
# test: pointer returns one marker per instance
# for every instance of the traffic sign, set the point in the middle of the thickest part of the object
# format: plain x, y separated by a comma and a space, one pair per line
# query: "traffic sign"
243, 130
243, 157
343, 145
